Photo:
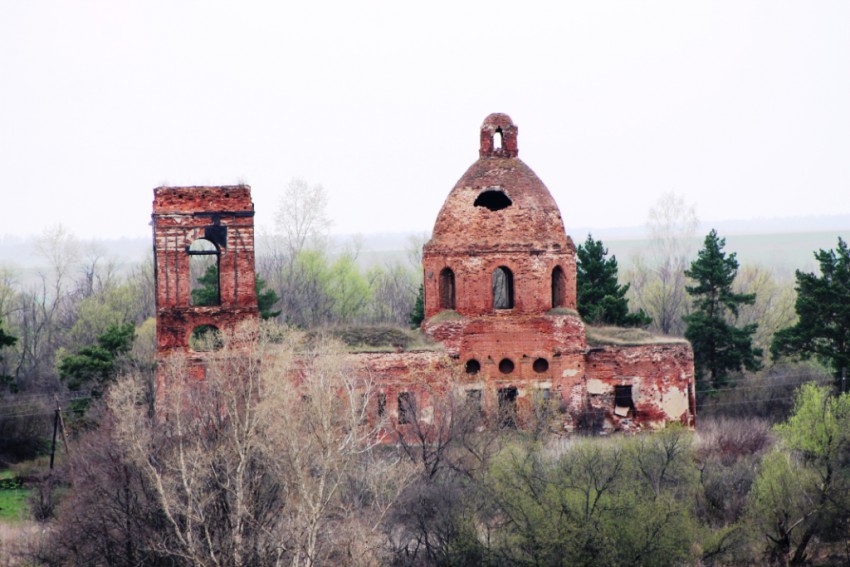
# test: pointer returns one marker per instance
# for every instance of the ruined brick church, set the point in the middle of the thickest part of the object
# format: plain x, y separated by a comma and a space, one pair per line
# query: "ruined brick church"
500, 301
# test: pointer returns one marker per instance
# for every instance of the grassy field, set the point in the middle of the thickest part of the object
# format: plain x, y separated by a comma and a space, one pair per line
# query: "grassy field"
782, 252
13, 503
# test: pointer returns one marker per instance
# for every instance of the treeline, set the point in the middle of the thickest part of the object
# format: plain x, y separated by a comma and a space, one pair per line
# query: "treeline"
248, 469
83, 318
732, 317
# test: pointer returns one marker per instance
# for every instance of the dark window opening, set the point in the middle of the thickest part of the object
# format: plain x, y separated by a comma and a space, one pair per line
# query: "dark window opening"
493, 199
205, 338
473, 366
204, 273
559, 287
447, 289
623, 402
506, 366
503, 288
540, 365
406, 408
382, 404
507, 407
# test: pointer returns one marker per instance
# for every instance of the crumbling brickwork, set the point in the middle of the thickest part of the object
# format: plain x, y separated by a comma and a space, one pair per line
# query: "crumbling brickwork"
501, 223
500, 298
222, 219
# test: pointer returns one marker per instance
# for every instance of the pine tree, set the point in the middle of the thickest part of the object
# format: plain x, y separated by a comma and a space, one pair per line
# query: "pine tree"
823, 308
208, 293
719, 346
418, 313
95, 366
601, 299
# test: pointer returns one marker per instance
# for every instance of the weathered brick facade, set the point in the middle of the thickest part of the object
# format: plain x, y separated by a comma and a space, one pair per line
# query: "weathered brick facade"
223, 219
500, 296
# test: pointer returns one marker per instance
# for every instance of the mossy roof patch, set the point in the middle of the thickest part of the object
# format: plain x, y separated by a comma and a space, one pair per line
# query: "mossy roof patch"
627, 336
381, 338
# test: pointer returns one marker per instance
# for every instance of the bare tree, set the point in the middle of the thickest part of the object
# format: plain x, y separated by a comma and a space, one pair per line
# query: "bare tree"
269, 460
658, 282
301, 218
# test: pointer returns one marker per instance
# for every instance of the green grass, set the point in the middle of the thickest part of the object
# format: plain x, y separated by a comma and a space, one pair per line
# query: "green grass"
13, 503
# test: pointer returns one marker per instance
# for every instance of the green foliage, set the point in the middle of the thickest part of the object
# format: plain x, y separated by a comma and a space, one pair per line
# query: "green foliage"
823, 308
95, 366
348, 288
13, 505
802, 491
719, 346
417, 315
599, 503
601, 299
208, 293
266, 298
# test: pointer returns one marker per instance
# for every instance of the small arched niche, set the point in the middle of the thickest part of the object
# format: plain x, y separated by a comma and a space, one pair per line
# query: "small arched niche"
503, 288
559, 287
447, 289
205, 338
204, 273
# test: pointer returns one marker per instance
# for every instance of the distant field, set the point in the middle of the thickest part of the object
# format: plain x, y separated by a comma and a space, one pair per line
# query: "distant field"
781, 251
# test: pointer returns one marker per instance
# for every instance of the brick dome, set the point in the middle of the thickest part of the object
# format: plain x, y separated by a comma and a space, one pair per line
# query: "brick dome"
499, 204
499, 246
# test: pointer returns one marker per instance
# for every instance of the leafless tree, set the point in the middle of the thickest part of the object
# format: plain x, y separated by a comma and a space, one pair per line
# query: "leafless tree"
658, 281
269, 460
301, 218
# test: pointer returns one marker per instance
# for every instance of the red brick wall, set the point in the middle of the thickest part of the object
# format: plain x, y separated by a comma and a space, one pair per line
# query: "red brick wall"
182, 215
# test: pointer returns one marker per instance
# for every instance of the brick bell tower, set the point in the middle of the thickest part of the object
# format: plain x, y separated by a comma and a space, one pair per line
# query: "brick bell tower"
203, 240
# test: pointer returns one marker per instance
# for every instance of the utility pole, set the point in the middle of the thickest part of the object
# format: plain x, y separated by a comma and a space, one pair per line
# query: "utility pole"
844, 380
55, 428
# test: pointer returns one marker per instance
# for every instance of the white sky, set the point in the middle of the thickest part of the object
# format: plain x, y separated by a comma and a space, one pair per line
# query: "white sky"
741, 107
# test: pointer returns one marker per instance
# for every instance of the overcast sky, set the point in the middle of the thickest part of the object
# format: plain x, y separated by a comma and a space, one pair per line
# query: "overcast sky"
741, 107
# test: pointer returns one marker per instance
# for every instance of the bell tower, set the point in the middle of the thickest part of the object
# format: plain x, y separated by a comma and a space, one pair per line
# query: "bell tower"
203, 243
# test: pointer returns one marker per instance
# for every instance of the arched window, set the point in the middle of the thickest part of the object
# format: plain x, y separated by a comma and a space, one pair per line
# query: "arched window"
204, 273
447, 289
559, 287
205, 338
503, 288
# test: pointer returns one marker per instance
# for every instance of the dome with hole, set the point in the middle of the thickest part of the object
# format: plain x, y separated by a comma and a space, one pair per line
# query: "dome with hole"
499, 203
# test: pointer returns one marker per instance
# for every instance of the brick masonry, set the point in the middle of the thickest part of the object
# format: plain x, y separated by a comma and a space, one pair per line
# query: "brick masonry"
500, 297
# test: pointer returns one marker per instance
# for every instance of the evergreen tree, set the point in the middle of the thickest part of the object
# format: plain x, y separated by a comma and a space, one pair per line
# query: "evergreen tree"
823, 308
96, 365
601, 299
418, 313
719, 346
266, 298
208, 293
5, 340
